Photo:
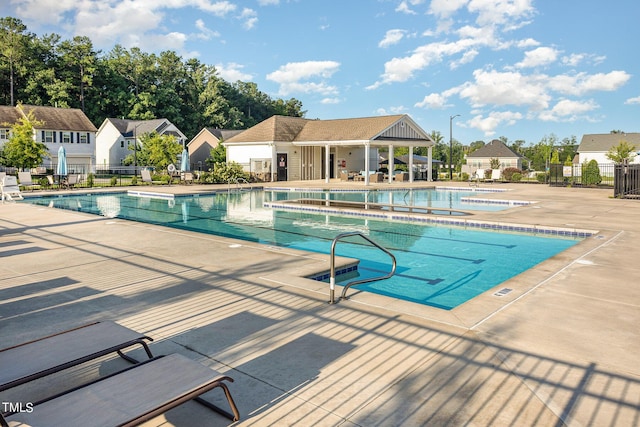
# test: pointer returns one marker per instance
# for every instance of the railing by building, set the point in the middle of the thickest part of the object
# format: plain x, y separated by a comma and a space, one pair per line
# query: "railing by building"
627, 181
89, 176
582, 175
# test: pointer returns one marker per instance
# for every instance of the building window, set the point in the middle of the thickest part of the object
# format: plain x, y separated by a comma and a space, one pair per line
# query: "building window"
66, 137
121, 144
4, 134
48, 136
82, 138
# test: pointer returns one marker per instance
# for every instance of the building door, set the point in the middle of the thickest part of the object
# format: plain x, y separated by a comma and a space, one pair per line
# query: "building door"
282, 166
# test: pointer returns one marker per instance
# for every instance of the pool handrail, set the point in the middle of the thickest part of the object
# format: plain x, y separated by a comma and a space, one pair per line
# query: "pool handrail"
332, 278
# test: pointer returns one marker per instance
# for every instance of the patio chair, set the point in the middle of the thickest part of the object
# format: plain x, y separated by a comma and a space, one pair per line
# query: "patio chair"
57, 352
476, 177
70, 181
10, 189
146, 177
25, 180
496, 174
130, 397
186, 177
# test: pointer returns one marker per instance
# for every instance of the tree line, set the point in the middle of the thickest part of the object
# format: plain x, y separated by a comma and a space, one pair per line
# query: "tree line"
127, 83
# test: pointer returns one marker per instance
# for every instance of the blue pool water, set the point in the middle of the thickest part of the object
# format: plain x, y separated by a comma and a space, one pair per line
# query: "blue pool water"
438, 266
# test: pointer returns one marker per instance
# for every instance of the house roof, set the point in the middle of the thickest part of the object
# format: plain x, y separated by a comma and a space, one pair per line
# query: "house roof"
298, 130
53, 118
494, 149
130, 128
603, 142
223, 134
9, 116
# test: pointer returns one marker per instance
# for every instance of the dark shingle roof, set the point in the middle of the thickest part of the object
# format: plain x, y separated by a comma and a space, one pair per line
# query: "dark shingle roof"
9, 116
494, 149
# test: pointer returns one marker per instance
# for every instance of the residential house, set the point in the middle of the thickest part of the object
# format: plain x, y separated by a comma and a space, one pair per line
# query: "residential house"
283, 148
496, 149
67, 127
201, 145
596, 146
115, 139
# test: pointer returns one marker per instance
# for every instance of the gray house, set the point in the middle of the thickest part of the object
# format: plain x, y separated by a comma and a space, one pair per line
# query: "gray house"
496, 149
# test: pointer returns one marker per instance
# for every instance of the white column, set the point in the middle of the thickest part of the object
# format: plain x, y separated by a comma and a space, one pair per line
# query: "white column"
327, 166
366, 163
429, 163
410, 164
390, 165
274, 163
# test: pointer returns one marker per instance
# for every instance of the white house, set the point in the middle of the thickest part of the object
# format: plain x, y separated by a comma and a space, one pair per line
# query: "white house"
68, 127
115, 136
496, 149
596, 146
283, 148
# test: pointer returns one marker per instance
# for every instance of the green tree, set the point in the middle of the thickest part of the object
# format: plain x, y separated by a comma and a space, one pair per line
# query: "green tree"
217, 155
81, 60
591, 173
13, 47
622, 152
555, 158
157, 150
22, 150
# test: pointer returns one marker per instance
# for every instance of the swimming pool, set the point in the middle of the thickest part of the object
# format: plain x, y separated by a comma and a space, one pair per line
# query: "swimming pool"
438, 266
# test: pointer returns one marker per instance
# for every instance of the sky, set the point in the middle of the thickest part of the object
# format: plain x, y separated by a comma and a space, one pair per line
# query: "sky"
470, 69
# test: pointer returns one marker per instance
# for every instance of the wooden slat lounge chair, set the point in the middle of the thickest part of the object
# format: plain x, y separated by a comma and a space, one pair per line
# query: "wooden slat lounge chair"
130, 397
54, 353
9, 188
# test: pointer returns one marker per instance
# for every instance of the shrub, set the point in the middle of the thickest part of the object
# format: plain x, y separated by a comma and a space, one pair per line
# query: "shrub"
516, 177
508, 173
114, 181
464, 176
134, 180
90, 178
541, 177
591, 173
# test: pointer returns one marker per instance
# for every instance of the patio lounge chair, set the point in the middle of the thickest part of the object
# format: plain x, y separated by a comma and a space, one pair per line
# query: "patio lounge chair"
146, 177
71, 181
496, 174
26, 181
130, 397
10, 189
54, 353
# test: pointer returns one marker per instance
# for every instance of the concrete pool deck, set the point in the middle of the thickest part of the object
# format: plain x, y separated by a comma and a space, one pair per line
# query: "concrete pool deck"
561, 348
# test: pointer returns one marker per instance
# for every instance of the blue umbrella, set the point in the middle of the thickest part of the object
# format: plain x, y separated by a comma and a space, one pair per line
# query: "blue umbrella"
62, 161
184, 162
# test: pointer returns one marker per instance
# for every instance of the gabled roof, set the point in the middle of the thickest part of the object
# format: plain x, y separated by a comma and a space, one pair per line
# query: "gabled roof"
603, 142
298, 130
138, 127
71, 119
494, 149
223, 134
9, 116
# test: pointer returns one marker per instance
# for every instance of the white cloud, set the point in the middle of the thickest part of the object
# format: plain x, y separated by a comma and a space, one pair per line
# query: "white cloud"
404, 6
506, 88
510, 14
568, 110
632, 101
249, 18
581, 83
130, 23
489, 124
538, 57
445, 8
328, 101
205, 33
434, 101
232, 72
293, 77
392, 37
268, 2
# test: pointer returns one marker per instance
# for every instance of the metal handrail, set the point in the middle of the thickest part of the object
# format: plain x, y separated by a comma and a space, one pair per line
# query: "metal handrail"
332, 278
237, 181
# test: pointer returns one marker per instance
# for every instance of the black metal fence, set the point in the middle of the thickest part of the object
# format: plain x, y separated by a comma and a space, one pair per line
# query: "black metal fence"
627, 181
588, 175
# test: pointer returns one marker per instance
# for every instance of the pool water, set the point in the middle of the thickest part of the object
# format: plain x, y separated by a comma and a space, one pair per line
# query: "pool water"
438, 266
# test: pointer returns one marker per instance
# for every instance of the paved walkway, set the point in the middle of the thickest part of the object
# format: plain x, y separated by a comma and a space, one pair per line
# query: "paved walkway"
561, 348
